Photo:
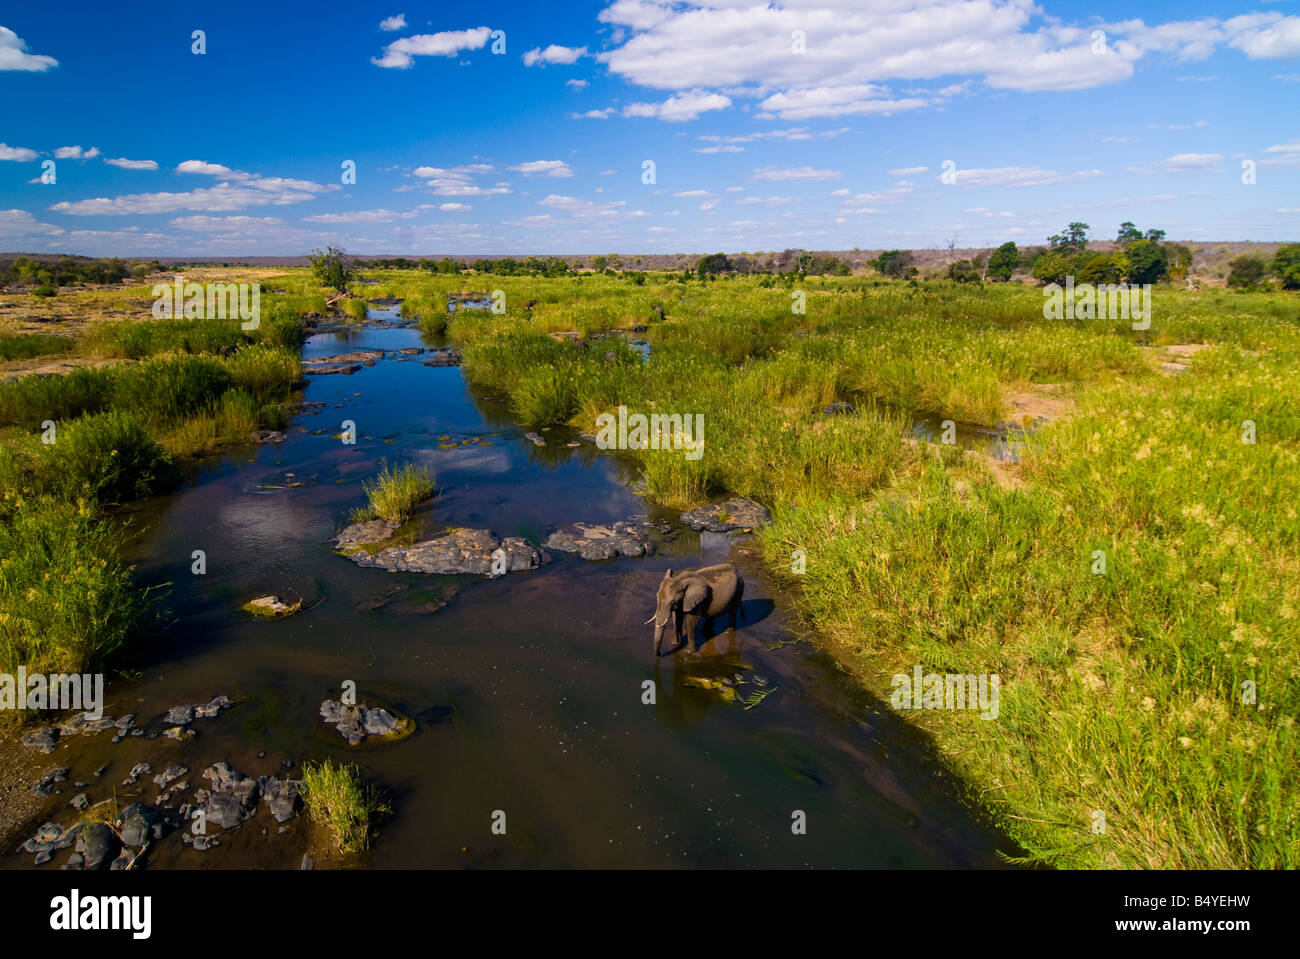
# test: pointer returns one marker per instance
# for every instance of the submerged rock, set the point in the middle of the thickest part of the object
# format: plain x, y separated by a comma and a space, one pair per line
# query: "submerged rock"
364, 534
596, 542
734, 514
140, 823
356, 723
457, 552
282, 796
46, 784
42, 739
97, 844
272, 606
325, 369
233, 797
443, 357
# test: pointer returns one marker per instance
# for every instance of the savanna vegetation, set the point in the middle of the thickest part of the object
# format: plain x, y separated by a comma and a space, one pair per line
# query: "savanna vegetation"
1159, 688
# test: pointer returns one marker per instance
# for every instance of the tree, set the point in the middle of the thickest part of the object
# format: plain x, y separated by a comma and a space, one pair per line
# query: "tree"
1246, 270
1155, 236
331, 269
712, 264
896, 264
1128, 232
1004, 261
1180, 260
599, 262
1073, 240
963, 271
1286, 266
1148, 261
1052, 266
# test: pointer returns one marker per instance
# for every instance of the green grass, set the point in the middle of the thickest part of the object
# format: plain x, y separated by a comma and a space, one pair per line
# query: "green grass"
395, 493
337, 801
66, 604
28, 345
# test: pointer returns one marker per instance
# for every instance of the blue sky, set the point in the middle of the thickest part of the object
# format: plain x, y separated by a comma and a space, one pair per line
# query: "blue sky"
822, 124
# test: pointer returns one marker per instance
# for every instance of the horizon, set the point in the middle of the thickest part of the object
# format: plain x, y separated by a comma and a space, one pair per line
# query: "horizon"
809, 124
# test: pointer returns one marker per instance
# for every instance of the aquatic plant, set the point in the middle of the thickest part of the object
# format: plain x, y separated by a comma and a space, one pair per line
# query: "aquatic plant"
337, 801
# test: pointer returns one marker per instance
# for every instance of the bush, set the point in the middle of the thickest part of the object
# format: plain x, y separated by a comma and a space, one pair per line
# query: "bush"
33, 399
108, 457
28, 345
169, 387
266, 372
1246, 270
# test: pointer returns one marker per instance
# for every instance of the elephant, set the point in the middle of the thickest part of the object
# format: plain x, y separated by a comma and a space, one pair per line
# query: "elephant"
693, 594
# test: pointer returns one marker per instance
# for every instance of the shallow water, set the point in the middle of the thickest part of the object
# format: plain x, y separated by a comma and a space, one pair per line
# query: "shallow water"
527, 690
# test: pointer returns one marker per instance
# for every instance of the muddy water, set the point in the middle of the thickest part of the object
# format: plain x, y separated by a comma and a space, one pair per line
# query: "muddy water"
527, 690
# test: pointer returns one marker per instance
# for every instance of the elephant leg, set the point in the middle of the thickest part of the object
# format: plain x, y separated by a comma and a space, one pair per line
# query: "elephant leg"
677, 634
692, 622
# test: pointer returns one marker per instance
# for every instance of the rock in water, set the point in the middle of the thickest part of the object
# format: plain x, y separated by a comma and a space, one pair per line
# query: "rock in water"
458, 551
593, 542
734, 514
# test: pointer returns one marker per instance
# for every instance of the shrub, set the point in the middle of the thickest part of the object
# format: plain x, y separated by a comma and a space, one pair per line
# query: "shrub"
108, 457
169, 387
34, 399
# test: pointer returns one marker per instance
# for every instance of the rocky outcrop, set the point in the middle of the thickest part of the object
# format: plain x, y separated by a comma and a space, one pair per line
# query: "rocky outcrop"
364, 534
443, 357
596, 542
734, 514
456, 552
357, 723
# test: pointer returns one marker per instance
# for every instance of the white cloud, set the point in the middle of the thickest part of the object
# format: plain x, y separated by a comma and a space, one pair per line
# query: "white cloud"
556, 168
805, 173
393, 23
400, 54
209, 224
1265, 36
1019, 176
684, 106
454, 207
908, 170
1183, 163
692, 194
20, 154
361, 216
553, 54
576, 83
458, 181
765, 201
21, 223
248, 190
1282, 154
14, 55
126, 164
836, 101
75, 153
593, 114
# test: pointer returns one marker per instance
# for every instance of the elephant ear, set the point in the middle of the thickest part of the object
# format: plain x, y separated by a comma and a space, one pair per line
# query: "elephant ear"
697, 593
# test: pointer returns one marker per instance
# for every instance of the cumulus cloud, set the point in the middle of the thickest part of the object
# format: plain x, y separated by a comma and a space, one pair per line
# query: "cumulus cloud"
593, 114
557, 168
400, 54
685, 106
125, 164
576, 84
459, 180
75, 153
14, 223
454, 207
744, 49
553, 54
393, 23
19, 154
361, 216
14, 55
210, 224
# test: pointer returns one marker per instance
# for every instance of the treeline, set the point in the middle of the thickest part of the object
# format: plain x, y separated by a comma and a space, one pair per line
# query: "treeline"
45, 277
787, 261
1137, 258
1251, 271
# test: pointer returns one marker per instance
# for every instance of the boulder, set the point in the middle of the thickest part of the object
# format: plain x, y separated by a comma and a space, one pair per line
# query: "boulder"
356, 723
734, 514
596, 542
456, 552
